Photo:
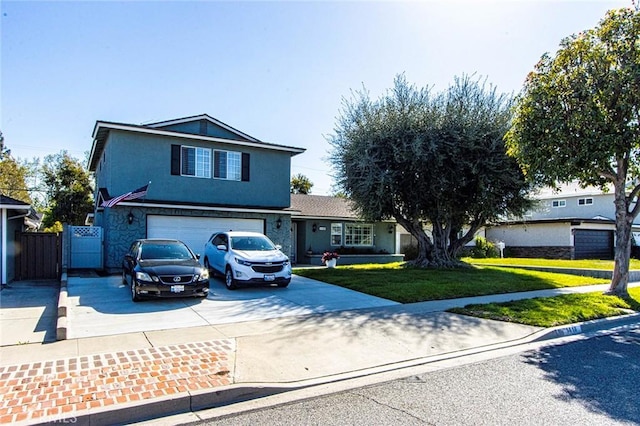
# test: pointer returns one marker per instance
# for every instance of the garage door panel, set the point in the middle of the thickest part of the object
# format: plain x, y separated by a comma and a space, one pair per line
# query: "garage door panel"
593, 244
195, 231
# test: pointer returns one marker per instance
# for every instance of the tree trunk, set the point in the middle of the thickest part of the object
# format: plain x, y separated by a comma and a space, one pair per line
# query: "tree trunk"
620, 277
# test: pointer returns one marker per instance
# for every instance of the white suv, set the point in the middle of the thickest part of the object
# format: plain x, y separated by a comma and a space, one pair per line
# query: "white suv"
246, 257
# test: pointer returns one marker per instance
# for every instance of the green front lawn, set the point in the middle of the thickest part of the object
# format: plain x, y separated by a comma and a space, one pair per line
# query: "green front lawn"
408, 285
559, 263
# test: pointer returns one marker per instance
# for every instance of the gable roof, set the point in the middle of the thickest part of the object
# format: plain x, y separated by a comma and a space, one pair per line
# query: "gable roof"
204, 117
102, 128
321, 207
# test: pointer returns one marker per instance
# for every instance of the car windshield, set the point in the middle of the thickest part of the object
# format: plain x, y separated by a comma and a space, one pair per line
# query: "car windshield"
164, 251
252, 243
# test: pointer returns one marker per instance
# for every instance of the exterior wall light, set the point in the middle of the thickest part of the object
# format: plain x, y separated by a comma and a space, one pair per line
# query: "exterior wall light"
279, 223
314, 227
130, 218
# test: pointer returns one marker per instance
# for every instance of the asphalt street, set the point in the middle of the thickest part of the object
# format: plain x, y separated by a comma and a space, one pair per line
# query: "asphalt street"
589, 381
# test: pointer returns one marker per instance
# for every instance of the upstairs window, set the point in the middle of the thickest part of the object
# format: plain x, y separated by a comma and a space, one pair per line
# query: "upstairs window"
227, 165
558, 203
585, 201
195, 162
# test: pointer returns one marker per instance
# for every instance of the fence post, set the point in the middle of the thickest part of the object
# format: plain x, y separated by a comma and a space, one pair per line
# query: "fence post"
66, 247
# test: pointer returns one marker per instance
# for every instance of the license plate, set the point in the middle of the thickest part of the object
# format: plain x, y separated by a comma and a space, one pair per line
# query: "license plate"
177, 288
269, 277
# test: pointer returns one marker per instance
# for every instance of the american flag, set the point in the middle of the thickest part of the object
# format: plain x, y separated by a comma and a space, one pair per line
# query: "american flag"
136, 193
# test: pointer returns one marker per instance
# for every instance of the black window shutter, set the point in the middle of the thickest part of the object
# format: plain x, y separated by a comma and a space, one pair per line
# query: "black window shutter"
216, 164
245, 166
175, 159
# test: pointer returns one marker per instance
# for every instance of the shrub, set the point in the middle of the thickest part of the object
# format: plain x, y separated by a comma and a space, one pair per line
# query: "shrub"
484, 248
410, 252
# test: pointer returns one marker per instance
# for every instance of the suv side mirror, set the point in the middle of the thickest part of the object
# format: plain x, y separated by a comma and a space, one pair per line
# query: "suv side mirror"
221, 247
278, 247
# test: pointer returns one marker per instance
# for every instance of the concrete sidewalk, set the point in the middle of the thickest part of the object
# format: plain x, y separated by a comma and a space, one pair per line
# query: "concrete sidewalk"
135, 376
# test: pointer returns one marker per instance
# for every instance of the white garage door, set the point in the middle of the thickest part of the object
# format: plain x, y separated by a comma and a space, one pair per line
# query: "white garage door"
195, 231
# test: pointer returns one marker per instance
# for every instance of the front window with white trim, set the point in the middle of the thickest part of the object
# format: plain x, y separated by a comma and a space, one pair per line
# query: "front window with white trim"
358, 234
336, 234
196, 162
585, 201
558, 203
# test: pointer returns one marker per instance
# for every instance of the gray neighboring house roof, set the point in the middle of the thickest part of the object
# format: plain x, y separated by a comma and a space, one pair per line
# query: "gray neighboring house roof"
12, 203
306, 206
32, 218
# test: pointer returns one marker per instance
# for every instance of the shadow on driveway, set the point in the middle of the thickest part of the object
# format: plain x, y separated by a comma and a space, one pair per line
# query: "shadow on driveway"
28, 312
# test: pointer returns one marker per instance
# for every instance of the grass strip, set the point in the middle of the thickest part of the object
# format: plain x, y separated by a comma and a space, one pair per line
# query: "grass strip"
556, 263
558, 310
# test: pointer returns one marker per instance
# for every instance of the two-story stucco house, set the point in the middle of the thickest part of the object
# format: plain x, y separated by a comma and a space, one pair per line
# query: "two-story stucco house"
572, 223
204, 175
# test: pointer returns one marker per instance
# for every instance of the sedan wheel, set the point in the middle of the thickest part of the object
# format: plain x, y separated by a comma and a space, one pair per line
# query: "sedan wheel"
228, 280
134, 294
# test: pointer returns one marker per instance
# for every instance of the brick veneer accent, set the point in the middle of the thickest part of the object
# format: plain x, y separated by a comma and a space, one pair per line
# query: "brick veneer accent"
540, 252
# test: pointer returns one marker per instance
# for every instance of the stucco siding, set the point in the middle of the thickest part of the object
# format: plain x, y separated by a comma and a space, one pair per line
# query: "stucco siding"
602, 206
548, 234
132, 160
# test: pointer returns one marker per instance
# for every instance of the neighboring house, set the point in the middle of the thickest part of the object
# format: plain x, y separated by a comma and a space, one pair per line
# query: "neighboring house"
573, 223
14, 217
323, 223
205, 176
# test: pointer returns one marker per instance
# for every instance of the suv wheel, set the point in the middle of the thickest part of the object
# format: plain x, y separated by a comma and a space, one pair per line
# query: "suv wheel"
229, 281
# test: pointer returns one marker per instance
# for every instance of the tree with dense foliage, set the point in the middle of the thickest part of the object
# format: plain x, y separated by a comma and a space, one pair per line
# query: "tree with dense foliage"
13, 175
300, 184
437, 161
69, 190
577, 118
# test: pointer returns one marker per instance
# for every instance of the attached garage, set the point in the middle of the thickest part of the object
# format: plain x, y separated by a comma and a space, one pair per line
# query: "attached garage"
593, 244
195, 231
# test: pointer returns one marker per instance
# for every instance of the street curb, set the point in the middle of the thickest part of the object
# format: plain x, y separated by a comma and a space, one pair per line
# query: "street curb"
61, 326
192, 401
588, 327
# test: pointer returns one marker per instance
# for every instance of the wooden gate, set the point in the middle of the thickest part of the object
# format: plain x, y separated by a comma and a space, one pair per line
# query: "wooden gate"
39, 255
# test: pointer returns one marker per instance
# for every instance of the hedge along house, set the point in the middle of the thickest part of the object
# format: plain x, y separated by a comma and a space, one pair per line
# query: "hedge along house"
204, 176
324, 223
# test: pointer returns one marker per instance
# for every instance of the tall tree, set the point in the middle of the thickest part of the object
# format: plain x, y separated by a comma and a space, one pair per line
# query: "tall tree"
578, 118
300, 184
429, 160
69, 190
12, 175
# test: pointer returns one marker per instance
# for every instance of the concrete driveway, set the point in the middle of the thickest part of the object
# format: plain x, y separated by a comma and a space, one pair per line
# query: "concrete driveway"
100, 306
28, 312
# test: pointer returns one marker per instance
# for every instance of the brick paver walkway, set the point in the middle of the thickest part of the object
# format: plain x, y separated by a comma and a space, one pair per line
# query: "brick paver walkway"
64, 388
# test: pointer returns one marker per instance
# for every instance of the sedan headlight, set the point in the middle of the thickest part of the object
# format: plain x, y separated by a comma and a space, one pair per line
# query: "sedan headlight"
241, 261
204, 275
143, 276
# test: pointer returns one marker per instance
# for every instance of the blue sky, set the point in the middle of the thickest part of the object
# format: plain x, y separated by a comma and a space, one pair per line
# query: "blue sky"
275, 70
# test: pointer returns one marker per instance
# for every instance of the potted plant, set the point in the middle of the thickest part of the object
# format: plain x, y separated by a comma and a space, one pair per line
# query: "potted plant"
330, 258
